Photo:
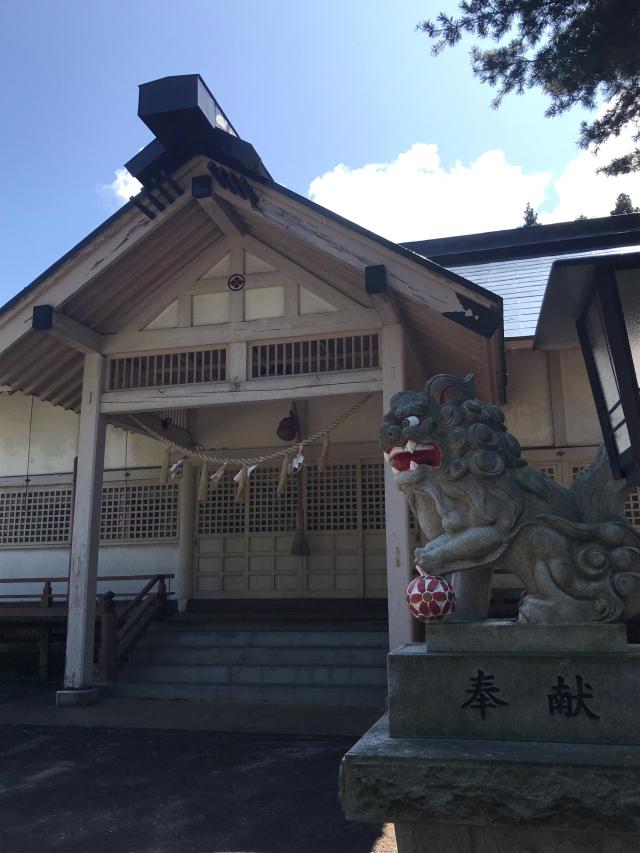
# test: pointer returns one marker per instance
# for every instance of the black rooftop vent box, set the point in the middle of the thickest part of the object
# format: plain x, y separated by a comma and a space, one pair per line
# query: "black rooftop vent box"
177, 107
187, 120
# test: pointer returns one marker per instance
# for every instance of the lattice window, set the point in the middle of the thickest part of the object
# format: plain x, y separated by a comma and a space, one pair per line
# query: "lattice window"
332, 498
631, 503
35, 516
132, 512
270, 512
632, 508
373, 510
152, 370
575, 469
551, 469
322, 355
219, 513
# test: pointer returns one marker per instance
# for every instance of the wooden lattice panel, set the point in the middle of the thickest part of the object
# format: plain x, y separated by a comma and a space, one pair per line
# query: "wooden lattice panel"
551, 469
133, 512
219, 514
270, 512
332, 498
152, 370
576, 469
373, 509
632, 508
35, 516
321, 355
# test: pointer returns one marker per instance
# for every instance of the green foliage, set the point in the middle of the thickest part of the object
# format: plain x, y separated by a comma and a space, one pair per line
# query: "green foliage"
576, 51
624, 205
530, 217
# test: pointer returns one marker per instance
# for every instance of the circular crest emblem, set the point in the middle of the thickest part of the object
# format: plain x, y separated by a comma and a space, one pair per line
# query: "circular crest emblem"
235, 282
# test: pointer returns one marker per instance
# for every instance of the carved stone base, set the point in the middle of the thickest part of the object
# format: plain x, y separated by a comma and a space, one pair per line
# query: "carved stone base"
472, 796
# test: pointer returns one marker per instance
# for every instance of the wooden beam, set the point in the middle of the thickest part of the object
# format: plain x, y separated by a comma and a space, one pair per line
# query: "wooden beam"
399, 552
171, 432
556, 396
381, 295
421, 283
83, 566
252, 391
304, 276
150, 340
66, 330
387, 307
184, 580
224, 216
219, 284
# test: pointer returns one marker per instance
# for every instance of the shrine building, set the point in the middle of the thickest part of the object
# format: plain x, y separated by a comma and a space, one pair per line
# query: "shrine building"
196, 388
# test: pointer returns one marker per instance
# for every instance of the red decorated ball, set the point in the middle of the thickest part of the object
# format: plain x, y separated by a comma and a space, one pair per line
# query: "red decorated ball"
430, 598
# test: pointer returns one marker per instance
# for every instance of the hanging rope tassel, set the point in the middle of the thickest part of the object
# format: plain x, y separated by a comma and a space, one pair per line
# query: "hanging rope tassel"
298, 460
324, 454
300, 545
217, 476
203, 485
242, 479
164, 466
282, 479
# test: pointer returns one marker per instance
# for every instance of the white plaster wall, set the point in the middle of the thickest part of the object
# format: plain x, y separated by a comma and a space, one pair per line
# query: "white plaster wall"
54, 435
136, 451
528, 410
142, 559
54, 438
580, 411
254, 425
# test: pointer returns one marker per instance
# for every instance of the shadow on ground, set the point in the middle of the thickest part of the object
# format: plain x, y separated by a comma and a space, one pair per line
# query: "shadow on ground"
81, 790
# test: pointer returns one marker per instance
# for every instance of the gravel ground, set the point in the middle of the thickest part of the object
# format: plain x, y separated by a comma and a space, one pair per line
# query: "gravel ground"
73, 790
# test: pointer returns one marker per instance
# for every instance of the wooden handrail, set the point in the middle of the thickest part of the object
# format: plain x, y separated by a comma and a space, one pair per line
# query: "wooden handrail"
145, 589
120, 633
100, 578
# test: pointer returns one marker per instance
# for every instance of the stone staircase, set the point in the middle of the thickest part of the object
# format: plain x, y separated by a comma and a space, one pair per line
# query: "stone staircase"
287, 658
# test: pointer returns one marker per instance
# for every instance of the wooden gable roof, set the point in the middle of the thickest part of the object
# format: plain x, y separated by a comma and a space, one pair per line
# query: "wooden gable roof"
136, 261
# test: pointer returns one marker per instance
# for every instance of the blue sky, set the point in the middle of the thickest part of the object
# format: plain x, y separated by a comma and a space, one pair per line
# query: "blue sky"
323, 91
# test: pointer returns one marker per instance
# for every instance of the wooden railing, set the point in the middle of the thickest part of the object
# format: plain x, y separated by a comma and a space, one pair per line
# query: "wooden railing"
120, 626
120, 632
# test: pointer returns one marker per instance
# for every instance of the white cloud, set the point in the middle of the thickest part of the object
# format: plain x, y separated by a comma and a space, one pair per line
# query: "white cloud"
582, 191
120, 189
414, 197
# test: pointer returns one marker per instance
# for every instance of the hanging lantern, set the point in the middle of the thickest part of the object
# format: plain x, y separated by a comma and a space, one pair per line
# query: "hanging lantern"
288, 428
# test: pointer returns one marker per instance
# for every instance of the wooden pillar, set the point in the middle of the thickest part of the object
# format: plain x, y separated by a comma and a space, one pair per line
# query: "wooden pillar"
78, 672
399, 550
186, 543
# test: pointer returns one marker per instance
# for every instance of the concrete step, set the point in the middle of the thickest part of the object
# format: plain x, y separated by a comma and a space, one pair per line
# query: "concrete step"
257, 656
165, 634
333, 676
294, 694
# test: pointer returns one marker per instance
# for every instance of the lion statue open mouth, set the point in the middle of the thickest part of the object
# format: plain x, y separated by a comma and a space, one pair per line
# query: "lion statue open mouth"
482, 507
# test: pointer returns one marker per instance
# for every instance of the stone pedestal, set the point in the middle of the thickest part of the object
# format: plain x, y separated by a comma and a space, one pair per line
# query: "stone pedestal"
504, 737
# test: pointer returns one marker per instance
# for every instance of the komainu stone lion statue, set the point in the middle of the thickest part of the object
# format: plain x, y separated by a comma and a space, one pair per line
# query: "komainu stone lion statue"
482, 507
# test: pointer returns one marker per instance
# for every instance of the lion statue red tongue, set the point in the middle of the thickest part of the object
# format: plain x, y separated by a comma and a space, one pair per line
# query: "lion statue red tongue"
428, 456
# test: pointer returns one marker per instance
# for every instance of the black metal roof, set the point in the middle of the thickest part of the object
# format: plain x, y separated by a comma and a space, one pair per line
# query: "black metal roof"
581, 235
